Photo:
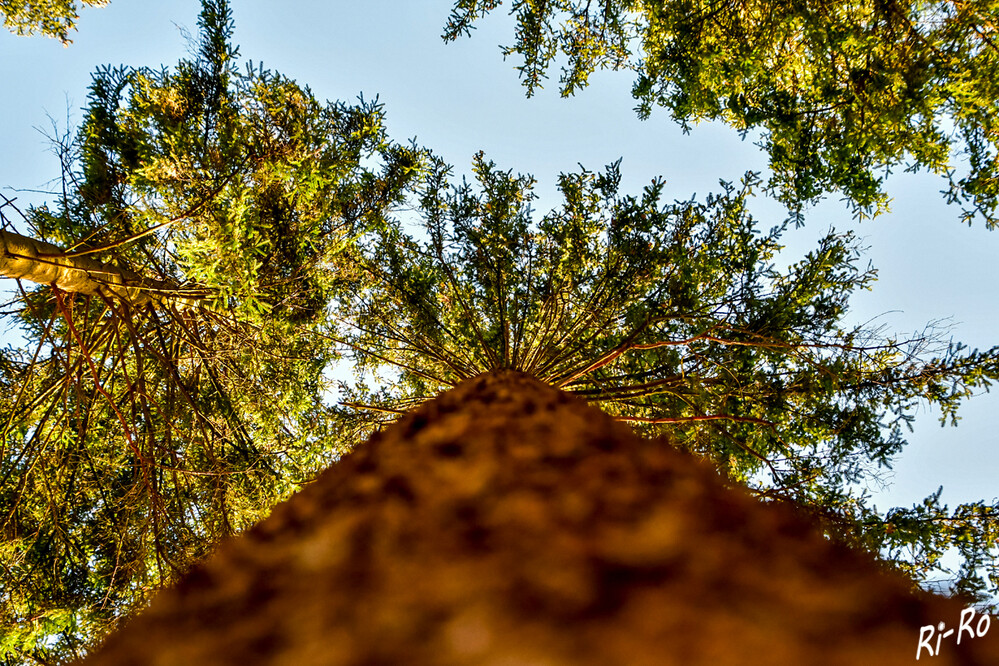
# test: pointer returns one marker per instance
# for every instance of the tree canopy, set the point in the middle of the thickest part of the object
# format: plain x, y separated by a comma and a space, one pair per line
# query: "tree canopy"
170, 387
840, 92
673, 317
52, 18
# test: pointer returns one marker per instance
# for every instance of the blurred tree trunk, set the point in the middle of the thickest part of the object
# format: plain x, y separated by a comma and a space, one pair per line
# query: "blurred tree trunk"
507, 522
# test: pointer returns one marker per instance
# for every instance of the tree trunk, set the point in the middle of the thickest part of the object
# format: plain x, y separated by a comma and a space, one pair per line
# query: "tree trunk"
25, 258
507, 522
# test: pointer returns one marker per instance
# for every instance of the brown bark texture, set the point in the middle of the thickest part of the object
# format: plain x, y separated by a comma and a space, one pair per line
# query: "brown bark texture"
26, 258
509, 523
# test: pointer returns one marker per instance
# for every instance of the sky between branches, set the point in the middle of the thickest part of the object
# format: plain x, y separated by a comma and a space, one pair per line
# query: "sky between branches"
461, 98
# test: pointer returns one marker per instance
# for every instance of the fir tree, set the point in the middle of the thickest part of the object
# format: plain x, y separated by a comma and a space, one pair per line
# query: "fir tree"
672, 317
170, 390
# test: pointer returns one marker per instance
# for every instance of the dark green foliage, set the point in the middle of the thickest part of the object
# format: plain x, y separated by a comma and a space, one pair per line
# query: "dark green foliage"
842, 93
673, 317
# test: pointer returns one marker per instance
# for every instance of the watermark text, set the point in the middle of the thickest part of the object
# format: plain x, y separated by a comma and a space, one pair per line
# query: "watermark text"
967, 628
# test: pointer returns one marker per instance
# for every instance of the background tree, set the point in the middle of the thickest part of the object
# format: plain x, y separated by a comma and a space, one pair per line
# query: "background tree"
170, 389
842, 93
52, 18
675, 318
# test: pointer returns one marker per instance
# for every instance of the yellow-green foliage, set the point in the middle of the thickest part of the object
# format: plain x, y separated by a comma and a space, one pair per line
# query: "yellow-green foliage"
52, 18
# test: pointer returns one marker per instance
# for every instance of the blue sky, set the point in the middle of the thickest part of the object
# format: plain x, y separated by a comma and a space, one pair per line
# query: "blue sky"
462, 97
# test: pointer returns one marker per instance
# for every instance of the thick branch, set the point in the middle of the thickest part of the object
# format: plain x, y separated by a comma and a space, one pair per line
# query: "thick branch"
24, 258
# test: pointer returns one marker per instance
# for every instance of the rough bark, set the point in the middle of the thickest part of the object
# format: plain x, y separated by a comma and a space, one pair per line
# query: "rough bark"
509, 523
26, 258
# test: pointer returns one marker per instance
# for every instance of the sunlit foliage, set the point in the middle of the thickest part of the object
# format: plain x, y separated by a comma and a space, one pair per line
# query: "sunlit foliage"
52, 18
137, 433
